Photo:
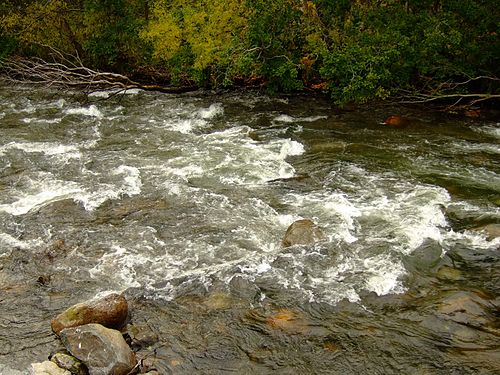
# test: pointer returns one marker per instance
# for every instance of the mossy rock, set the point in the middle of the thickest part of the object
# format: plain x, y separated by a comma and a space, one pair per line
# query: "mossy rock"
110, 311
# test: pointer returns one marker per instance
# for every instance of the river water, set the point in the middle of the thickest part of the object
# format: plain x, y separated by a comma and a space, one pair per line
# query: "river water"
182, 201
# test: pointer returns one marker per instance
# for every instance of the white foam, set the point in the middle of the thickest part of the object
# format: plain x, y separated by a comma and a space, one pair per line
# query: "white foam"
132, 179
47, 148
215, 109
492, 130
125, 261
384, 275
29, 120
130, 184
233, 158
39, 194
12, 242
185, 126
92, 142
91, 111
477, 147
284, 118
290, 119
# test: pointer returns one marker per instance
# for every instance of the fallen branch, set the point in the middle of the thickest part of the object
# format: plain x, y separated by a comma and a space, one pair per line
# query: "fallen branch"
423, 98
447, 92
70, 74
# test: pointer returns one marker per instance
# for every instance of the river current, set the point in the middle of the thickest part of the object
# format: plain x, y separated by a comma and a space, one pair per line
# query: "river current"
182, 201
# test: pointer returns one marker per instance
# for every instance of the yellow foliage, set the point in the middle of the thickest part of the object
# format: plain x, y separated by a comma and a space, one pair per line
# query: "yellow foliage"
207, 27
43, 23
164, 33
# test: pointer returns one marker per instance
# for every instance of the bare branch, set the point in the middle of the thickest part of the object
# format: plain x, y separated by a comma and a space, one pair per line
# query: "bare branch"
70, 72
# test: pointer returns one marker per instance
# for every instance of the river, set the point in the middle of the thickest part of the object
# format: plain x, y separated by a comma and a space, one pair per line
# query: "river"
181, 202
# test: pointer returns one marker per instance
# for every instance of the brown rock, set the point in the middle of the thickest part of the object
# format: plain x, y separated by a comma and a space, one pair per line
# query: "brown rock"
110, 311
103, 350
302, 232
396, 121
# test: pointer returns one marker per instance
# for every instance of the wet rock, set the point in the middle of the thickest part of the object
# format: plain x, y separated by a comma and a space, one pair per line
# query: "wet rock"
103, 350
492, 231
110, 311
449, 273
396, 121
330, 146
465, 308
56, 249
47, 368
287, 320
298, 178
141, 335
70, 363
63, 211
302, 232
243, 288
427, 257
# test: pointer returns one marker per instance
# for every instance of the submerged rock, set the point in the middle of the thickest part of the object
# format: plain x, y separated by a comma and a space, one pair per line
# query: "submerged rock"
47, 368
110, 311
492, 231
288, 321
104, 351
466, 308
141, 335
302, 232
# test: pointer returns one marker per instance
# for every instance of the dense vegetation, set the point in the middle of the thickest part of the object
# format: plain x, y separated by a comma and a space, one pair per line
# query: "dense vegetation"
356, 50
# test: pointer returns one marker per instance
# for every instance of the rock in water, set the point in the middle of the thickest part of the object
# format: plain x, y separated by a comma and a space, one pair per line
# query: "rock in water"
110, 311
47, 368
103, 350
492, 231
302, 232
396, 121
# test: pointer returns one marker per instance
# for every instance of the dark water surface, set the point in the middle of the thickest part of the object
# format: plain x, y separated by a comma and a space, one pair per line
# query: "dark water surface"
182, 202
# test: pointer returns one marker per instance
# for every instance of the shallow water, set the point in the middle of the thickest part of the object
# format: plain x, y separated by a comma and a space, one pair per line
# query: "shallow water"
182, 202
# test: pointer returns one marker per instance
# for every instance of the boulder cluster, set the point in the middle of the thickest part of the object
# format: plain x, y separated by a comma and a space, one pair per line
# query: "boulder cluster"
90, 333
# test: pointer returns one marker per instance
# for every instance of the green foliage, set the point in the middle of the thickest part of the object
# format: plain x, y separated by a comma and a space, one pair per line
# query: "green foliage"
111, 33
389, 46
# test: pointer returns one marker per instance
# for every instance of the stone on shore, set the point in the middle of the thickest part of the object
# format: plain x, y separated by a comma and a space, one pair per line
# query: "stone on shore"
70, 363
302, 232
110, 311
47, 368
104, 351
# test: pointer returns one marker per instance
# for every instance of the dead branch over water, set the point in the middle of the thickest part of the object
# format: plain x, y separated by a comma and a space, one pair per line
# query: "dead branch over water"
70, 74
447, 93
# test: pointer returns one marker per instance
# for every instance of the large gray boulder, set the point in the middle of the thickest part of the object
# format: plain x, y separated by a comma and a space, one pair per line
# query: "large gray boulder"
104, 351
110, 311
302, 232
